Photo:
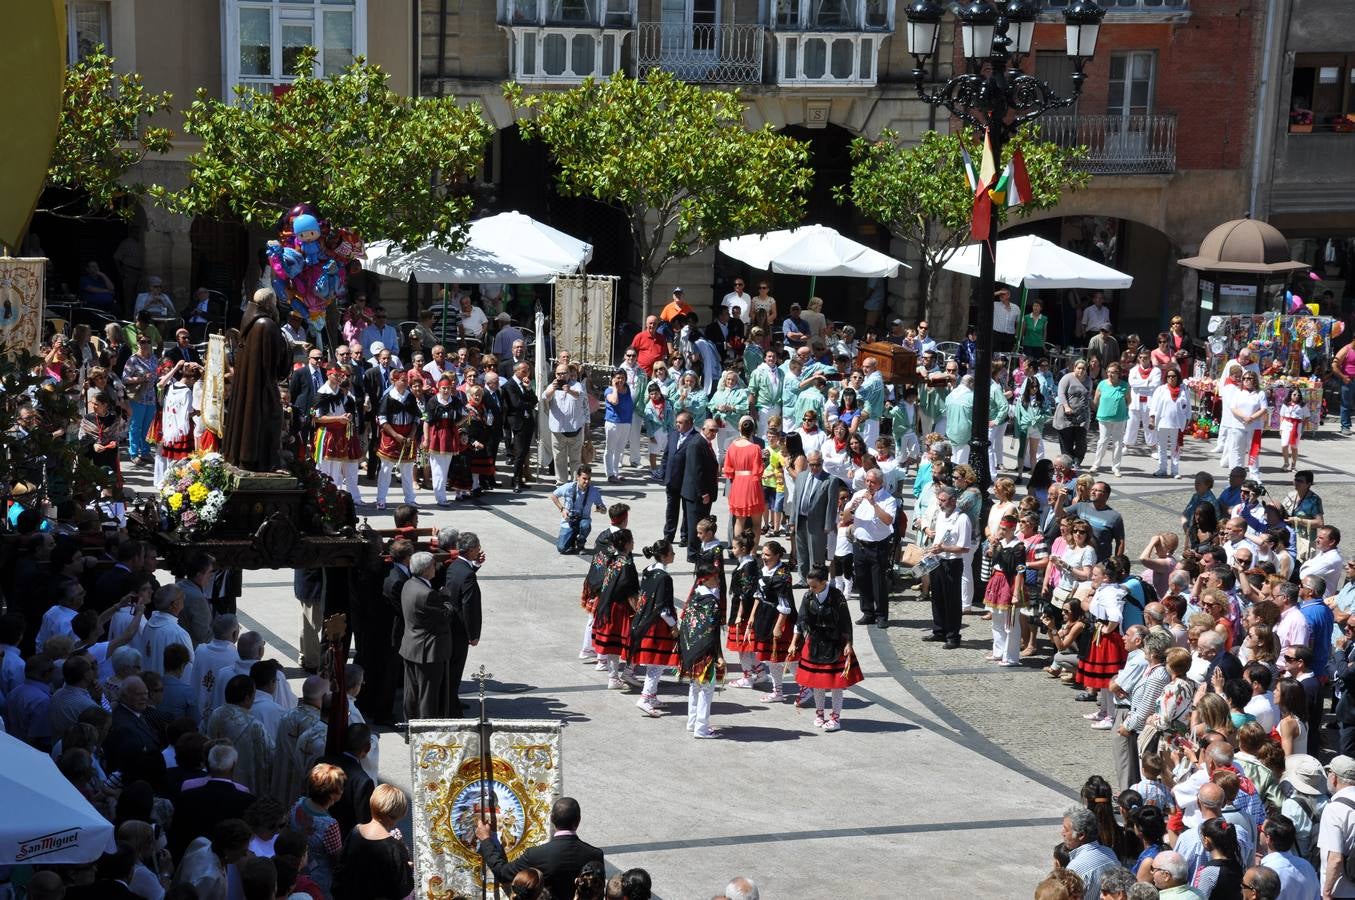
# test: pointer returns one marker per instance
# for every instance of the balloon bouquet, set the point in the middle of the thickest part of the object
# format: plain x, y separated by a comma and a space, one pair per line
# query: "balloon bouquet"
311, 262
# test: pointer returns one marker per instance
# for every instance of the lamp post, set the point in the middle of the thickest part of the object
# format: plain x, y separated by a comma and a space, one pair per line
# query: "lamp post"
995, 96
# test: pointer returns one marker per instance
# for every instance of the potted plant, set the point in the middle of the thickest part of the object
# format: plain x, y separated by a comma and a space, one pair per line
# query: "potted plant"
1300, 121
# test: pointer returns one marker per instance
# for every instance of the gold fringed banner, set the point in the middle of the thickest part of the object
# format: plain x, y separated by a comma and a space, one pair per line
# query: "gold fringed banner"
446, 804
21, 303
214, 386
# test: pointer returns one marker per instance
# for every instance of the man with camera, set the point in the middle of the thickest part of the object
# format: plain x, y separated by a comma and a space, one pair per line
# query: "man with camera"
576, 501
566, 418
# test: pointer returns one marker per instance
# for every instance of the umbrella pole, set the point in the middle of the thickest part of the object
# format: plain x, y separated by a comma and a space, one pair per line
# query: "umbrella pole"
813, 281
1021, 319
442, 320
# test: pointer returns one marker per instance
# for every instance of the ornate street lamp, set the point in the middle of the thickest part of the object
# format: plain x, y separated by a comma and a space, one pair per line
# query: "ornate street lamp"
995, 96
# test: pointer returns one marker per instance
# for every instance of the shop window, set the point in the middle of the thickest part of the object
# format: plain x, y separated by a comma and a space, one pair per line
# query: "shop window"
1323, 94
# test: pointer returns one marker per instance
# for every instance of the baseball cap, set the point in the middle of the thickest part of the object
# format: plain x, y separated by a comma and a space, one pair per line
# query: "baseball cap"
153, 281
1105, 326
896, 322
1343, 767
677, 290
503, 317
377, 347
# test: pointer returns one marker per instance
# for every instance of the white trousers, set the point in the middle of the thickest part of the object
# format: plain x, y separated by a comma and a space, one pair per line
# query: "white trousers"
967, 580
652, 676
1168, 453
723, 438
1232, 447
587, 645
637, 439
618, 436
763, 414
1006, 635
1111, 438
869, 429
819, 697
699, 697
959, 453
383, 480
996, 454
1138, 418
344, 473
440, 464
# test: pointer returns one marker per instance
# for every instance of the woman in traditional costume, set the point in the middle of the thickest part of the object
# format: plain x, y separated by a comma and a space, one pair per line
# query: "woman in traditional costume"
702, 660
653, 640
773, 620
338, 443
822, 644
614, 608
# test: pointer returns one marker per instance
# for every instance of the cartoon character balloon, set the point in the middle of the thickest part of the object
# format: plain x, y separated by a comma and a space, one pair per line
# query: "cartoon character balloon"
310, 263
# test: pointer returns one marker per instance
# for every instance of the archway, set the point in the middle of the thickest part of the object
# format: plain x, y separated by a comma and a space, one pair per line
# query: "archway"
1132, 247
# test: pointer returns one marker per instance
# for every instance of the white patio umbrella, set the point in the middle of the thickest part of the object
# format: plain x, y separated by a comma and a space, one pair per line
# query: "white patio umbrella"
1036, 264
508, 248
49, 822
815, 250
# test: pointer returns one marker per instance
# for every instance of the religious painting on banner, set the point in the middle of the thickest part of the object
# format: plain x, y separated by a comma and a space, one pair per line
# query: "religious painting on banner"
449, 795
21, 303
214, 386
585, 311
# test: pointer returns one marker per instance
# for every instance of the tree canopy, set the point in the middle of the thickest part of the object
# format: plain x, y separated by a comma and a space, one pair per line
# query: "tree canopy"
370, 159
921, 195
104, 133
674, 157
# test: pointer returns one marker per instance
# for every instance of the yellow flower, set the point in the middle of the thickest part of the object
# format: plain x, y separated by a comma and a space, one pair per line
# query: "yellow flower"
197, 492
196, 466
176, 501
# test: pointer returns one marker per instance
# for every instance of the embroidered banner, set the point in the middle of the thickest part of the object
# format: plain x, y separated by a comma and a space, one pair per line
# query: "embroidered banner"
584, 321
214, 386
21, 302
447, 801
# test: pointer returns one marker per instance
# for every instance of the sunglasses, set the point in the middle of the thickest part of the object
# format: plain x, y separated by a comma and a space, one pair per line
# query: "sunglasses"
1288, 658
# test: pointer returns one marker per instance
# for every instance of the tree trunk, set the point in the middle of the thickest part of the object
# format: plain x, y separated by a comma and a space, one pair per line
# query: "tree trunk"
646, 293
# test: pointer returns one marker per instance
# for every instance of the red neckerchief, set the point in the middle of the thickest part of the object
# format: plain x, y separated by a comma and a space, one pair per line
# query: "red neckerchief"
856, 459
839, 445
809, 430
1174, 391
883, 458
1144, 372
1231, 380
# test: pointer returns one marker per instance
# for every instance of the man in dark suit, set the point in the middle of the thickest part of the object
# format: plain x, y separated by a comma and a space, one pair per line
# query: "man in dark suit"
198, 810
116, 582
509, 364
427, 643
813, 514
302, 387
719, 331
670, 474
494, 408
461, 592
700, 482
519, 412
354, 806
559, 860
130, 735
375, 382
383, 626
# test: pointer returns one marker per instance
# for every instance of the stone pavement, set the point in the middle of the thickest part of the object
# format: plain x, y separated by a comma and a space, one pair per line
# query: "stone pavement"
940, 754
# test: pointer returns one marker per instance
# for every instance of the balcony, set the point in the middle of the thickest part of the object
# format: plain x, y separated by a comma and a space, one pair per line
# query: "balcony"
564, 41
1118, 11
1118, 145
711, 53
827, 58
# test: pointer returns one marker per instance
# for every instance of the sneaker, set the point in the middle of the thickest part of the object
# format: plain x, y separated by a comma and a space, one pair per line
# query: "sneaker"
833, 724
615, 684
1094, 716
819, 719
601, 666
1177, 475
647, 708
1103, 725
587, 656
704, 735
1115, 470
631, 680
806, 694
743, 682
773, 697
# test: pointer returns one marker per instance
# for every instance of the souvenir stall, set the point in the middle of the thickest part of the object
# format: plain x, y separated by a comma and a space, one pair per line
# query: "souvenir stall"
1292, 351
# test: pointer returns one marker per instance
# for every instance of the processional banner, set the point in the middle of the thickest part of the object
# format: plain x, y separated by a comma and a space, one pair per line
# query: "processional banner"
21, 303
584, 315
214, 386
449, 796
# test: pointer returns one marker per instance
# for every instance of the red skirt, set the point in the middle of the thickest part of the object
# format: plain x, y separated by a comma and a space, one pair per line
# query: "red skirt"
444, 437
209, 442
734, 641
658, 647
336, 443
999, 591
481, 463
773, 650
610, 635
392, 451
178, 449
1104, 661
819, 675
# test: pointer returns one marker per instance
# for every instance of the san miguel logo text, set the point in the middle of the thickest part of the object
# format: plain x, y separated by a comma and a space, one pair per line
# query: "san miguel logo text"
47, 843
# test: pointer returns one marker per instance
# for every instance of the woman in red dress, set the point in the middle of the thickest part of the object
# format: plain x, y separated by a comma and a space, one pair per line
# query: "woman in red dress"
743, 469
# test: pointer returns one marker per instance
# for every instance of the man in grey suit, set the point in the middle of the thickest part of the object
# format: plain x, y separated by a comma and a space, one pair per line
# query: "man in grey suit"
427, 643
813, 513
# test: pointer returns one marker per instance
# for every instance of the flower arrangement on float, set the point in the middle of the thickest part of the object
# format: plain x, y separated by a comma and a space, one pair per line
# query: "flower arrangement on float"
195, 492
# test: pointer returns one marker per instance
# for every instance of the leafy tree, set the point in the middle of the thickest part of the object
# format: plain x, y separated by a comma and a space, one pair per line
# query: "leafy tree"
921, 195
104, 133
386, 165
675, 158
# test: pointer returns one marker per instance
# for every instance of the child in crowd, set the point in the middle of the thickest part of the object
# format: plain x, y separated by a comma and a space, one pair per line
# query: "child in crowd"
844, 559
1204, 493
1293, 414
702, 662
774, 478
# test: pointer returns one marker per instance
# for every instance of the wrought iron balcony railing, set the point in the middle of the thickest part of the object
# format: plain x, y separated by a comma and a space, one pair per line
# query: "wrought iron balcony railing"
1118, 145
713, 53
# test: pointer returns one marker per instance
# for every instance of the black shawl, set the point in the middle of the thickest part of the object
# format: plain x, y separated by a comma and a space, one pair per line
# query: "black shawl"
656, 598
771, 590
827, 625
619, 584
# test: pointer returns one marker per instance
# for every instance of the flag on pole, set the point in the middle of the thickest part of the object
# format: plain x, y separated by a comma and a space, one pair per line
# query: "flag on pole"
969, 168
1018, 180
983, 193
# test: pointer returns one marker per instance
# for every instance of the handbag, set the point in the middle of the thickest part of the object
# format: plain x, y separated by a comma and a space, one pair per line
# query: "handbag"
586, 454
1059, 597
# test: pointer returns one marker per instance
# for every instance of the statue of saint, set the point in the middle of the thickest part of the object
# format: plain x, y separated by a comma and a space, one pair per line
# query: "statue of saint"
254, 419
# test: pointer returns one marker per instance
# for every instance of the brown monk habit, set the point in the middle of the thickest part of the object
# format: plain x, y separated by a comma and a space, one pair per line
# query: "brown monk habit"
254, 421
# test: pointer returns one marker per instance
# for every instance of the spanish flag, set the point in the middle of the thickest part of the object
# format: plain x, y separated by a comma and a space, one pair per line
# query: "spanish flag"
983, 193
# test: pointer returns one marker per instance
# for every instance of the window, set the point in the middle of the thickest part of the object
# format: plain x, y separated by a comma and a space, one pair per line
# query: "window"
1129, 91
1323, 93
265, 38
87, 27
